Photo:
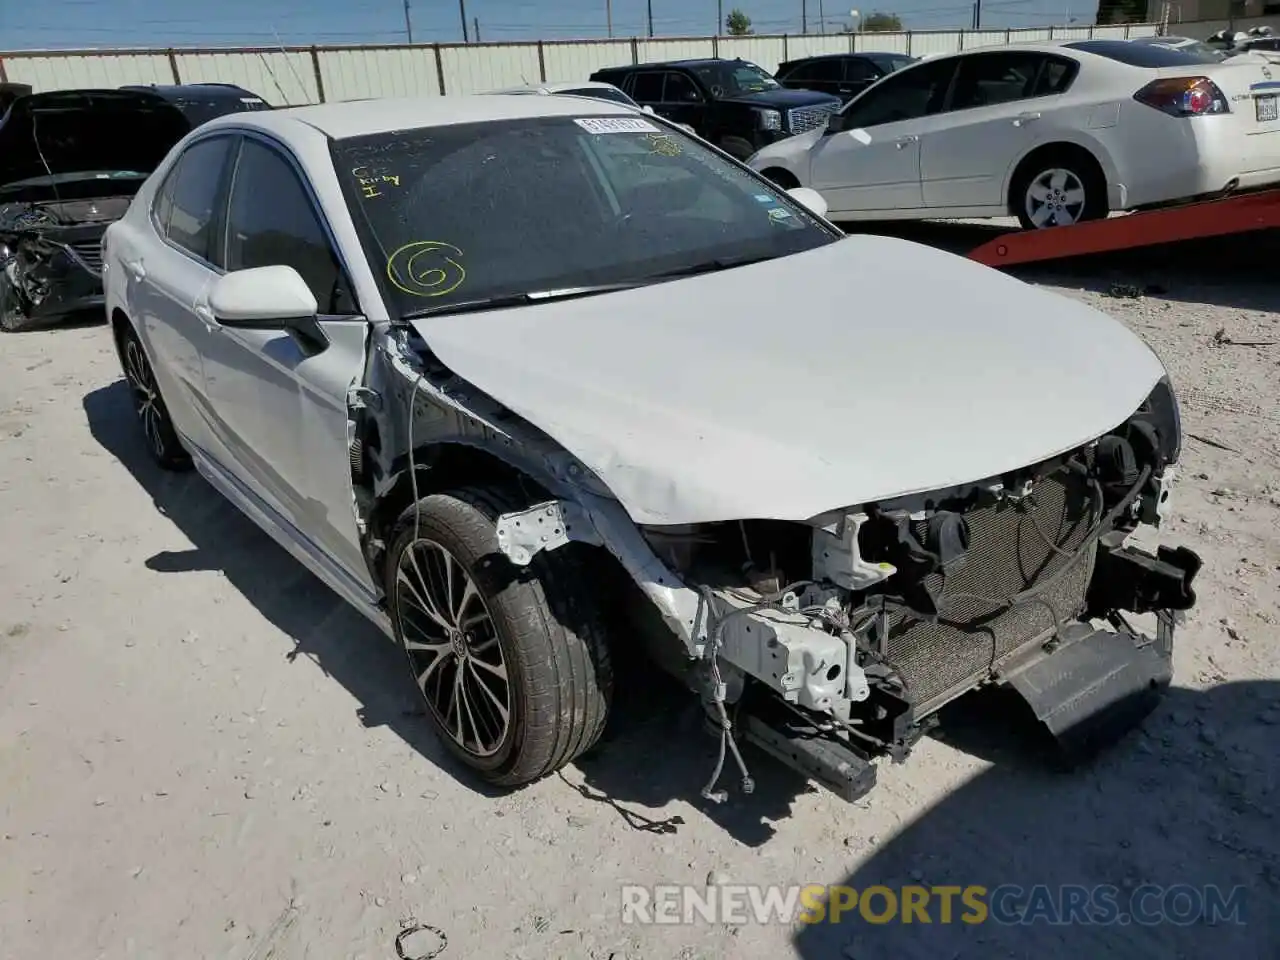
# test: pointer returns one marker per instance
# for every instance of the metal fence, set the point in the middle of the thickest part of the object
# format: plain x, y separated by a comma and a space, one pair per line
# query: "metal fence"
297, 75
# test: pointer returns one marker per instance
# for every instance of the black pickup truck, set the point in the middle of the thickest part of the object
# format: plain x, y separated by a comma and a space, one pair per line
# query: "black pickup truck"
733, 104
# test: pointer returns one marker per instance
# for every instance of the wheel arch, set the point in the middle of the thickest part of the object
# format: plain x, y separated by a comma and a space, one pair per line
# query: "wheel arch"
1074, 142
781, 176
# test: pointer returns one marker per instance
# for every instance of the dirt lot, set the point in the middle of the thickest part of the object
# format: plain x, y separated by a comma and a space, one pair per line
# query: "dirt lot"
204, 754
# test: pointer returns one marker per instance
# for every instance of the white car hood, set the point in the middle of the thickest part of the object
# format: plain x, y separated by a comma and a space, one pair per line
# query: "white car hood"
862, 370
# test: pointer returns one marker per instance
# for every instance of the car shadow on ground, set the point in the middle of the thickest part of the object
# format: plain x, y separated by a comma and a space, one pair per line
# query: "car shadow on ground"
1190, 800
323, 627
654, 751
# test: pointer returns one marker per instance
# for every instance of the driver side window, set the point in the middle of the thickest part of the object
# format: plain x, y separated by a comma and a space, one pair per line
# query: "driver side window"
271, 220
913, 93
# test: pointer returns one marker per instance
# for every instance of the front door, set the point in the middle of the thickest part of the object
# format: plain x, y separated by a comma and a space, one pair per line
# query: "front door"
869, 161
280, 408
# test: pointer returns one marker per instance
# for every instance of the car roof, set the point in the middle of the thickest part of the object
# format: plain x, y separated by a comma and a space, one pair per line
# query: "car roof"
557, 86
694, 62
356, 118
860, 55
208, 91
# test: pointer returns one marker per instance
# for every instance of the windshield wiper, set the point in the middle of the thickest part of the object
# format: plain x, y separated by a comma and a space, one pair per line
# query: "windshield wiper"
709, 266
502, 301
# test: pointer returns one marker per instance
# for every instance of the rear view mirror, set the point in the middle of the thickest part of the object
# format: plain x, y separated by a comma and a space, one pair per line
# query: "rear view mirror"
268, 298
810, 199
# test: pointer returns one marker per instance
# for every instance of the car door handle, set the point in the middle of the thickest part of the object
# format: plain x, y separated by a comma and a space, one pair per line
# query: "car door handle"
1023, 118
136, 268
906, 141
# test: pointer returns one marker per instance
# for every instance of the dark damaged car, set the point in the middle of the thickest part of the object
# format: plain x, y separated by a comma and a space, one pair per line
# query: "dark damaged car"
70, 163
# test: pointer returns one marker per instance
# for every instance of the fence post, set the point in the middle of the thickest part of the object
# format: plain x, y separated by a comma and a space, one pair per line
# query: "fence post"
4, 75
1126, 31
1091, 31
439, 68
315, 68
909, 43
1008, 35
542, 64
1050, 31
173, 67
635, 51
715, 47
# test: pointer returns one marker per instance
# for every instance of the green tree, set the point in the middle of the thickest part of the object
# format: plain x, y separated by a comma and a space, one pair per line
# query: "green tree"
737, 23
881, 23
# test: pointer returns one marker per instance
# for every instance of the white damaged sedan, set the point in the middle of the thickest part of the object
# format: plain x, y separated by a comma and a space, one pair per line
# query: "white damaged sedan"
531, 380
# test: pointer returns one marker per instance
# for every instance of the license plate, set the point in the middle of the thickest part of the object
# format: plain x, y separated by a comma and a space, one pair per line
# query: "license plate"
1266, 107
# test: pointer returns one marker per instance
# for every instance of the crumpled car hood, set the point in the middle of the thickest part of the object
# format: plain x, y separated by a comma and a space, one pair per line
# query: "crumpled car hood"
862, 370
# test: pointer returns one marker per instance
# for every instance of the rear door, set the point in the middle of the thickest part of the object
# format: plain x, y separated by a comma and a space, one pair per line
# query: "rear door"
871, 161
169, 273
825, 75
999, 103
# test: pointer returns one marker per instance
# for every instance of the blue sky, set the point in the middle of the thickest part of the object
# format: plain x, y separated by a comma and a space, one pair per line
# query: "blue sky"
26, 24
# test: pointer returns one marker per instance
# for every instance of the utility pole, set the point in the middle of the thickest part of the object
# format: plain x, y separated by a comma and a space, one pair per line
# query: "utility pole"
408, 24
804, 16
977, 14
475, 33
719, 17
822, 20
650, 7
608, 16
462, 10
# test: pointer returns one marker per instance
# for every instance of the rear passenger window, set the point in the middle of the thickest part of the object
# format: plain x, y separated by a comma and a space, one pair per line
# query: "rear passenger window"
647, 88
186, 208
1055, 76
271, 221
988, 79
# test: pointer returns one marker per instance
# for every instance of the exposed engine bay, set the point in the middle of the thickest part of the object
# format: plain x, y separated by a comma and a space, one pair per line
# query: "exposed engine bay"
50, 244
70, 163
833, 642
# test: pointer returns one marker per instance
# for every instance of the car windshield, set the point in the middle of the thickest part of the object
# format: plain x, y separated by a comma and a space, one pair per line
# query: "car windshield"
732, 78
612, 94
469, 212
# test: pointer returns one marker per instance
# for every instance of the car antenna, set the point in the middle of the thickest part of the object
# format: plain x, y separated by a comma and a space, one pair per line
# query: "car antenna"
289, 63
35, 138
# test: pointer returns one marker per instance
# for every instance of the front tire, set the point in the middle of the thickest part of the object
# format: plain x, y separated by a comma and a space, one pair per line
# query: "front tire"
12, 319
157, 427
512, 664
1058, 190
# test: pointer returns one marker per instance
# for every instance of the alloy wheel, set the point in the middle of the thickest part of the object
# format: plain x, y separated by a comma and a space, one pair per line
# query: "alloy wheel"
1056, 198
453, 648
146, 398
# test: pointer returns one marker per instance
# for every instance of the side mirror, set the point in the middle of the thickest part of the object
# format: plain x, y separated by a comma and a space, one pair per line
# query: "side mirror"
268, 298
647, 109
810, 199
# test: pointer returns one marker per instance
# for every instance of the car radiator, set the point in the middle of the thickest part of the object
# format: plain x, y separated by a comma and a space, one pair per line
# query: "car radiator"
1008, 552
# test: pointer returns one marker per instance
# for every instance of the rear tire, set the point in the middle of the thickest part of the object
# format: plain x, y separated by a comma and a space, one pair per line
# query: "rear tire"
157, 427
512, 663
1057, 188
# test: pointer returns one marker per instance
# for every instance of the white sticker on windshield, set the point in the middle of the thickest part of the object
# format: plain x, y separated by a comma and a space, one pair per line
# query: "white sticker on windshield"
615, 125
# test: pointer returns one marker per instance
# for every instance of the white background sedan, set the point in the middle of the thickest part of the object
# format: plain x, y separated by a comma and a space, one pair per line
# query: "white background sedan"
1050, 133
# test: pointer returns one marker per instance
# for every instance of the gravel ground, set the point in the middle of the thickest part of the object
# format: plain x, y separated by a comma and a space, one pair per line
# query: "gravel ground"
204, 754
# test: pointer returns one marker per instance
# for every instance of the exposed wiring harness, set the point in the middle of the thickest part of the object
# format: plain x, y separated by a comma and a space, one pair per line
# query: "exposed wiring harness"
719, 690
